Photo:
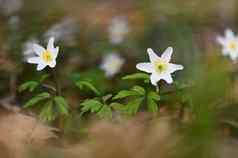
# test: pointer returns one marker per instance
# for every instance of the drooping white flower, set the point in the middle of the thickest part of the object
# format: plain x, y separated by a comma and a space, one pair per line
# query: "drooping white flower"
118, 29
64, 31
112, 64
45, 57
159, 67
229, 44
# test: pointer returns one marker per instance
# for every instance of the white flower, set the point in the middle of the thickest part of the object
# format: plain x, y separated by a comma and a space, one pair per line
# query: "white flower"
229, 44
118, 29
159, 67
112, 64
45, 57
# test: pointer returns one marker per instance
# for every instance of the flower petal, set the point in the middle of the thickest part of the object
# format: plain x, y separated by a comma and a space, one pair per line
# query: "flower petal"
229, 33
152, 55
52, 64
221, 40
168, 78
146, 67
34, 60
167, 54
175, 67
41, 66
55, 52
50, 45
154, 78
38, 49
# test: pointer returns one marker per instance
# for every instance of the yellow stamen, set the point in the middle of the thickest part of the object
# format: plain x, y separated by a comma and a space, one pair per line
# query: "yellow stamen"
232, 45
47, 56
160, 66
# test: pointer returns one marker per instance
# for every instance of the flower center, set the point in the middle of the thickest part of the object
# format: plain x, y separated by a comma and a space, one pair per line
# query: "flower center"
160, 66
47, 56
232, 45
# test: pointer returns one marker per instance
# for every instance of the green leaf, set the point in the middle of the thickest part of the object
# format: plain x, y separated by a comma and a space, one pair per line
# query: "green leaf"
90, 86
140, 90
44, 77
136, 76
91, 105
105, 112
125, 93
47, 113
30, 85
152, 106
152, 97
117, 106
36, 99
61, 105
133, 106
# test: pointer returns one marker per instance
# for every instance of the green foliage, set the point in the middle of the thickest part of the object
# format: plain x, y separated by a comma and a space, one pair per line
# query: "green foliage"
36, 99
101, 109
54, 108
87, 85
137, 96
29, 85
32, 85
137, 76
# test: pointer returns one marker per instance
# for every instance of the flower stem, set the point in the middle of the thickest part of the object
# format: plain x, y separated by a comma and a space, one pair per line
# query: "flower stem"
57, 82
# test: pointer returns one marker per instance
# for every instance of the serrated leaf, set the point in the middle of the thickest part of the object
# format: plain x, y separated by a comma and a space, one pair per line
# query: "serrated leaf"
47, 113
88, 85
153, 95
30, 85
140, 90
136, 76
117, 106
105, 112
152, 106
36, 99
125, 93
91, 105
61, 105
133, 106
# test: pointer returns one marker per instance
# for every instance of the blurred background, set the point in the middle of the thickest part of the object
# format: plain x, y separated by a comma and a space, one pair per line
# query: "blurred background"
95, 33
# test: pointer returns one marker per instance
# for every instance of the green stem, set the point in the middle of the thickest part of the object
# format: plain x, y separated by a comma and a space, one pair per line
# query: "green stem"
57, 82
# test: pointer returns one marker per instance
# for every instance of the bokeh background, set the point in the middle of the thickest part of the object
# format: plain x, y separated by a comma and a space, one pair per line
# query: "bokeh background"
87, 31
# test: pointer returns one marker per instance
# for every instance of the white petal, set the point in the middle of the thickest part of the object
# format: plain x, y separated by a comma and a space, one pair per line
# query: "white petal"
167, 78
167, 54
229, 33
221, 40
152, 55
52, 64
154, 78
41, 66
38, 49
50, 45
56, 52
34, 60
146, 67
233, 55
175, 67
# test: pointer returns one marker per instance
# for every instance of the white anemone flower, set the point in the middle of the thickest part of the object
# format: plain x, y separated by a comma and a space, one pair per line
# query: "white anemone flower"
118, 29
45, 57
229, 44
112, 64
160, 67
